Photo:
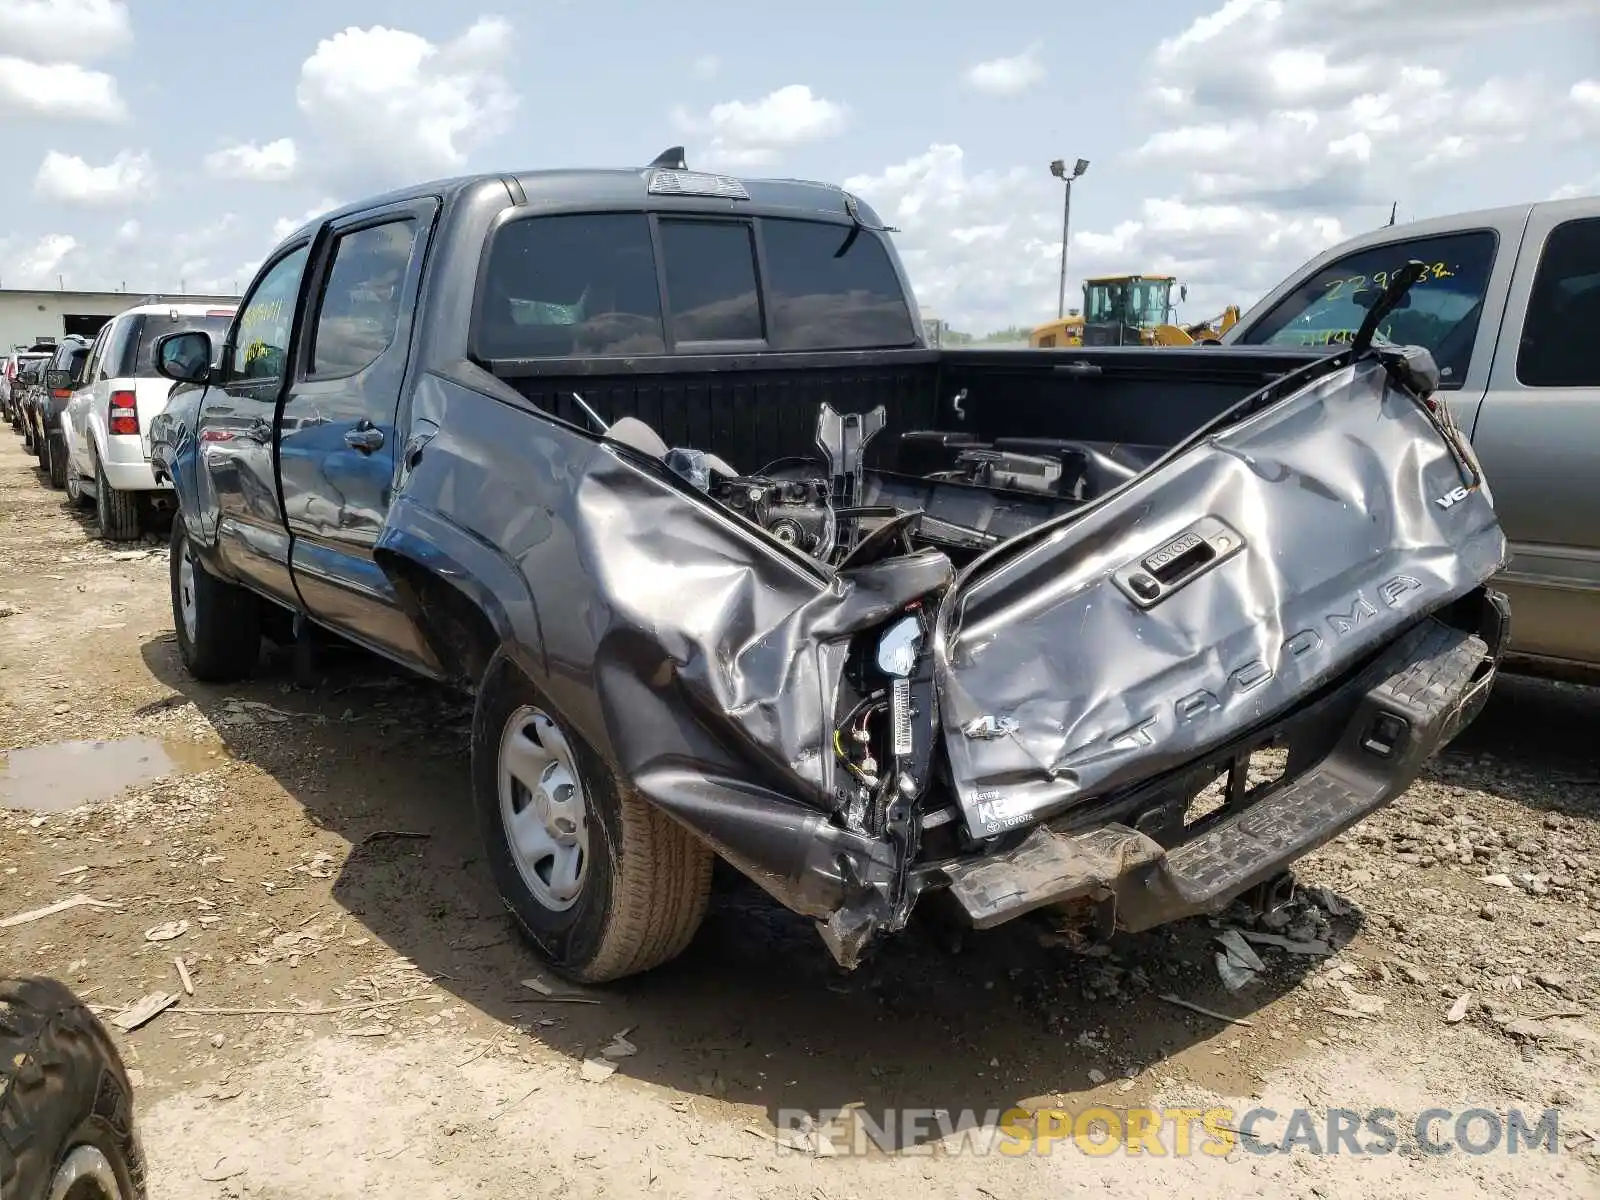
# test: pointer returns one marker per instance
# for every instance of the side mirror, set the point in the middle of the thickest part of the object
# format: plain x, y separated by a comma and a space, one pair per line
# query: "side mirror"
1183, 292
184, 357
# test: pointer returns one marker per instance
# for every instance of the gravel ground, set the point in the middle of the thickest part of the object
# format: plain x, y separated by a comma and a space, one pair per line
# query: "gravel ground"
359, 1014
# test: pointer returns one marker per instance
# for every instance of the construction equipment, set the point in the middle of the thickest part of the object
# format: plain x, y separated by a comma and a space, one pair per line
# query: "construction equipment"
1131, 310
1066, 331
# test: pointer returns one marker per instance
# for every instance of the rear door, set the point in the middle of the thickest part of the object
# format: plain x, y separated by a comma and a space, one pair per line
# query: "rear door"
75, 420
337, 436
235, 428
1538, 435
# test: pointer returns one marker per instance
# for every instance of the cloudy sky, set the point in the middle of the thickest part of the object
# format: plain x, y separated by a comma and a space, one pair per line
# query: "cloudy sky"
164, 143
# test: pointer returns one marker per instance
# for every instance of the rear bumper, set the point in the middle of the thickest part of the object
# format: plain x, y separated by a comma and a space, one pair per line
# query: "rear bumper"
126, 467
1350, 752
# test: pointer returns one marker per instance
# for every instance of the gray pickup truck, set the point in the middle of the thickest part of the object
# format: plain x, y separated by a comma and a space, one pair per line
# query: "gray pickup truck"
1510, 309
659, 466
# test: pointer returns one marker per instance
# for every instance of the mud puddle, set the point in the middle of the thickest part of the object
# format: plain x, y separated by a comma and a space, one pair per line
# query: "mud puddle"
60, 776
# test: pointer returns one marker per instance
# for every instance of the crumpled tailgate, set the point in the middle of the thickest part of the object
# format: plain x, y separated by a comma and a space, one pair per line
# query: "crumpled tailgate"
1222, 588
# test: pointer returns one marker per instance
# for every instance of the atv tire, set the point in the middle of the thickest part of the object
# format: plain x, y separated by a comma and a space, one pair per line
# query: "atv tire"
66, 1104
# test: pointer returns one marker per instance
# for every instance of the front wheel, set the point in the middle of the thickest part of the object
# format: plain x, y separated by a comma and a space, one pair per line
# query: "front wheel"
218, 623
65, 1100
75, 493
603, 883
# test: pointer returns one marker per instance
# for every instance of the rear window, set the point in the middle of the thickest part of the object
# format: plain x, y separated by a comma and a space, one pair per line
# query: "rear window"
154, 326
571, 285
711, 281
831, 289
1441, 314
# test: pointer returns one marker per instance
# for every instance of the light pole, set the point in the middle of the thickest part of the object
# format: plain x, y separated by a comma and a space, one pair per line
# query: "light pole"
1058, 168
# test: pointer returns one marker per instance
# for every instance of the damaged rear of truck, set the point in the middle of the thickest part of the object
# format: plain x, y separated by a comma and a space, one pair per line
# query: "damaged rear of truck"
981, 631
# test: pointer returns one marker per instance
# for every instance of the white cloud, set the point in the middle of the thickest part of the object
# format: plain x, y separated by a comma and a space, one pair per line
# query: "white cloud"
69, 30
1332, 123
128, 231
63, 90
1571, 191
127, 178
273, 162
389, 105
707, 66
37, 266
1008, 76
284, 226
983, 250
740, 134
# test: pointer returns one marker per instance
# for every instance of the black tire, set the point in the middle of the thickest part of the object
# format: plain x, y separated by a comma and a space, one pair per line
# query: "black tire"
65, 1098
55, 460
118, 511
225, 641
75, 493
647, 880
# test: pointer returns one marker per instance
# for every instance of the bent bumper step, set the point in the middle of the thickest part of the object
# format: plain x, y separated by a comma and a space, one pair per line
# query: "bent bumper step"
1401, 710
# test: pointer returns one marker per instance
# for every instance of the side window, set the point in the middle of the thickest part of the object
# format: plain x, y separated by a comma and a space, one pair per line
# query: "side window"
576, 284
95, 366
711, 281
261, 340
1442, 314
359, 310
831, 288
117, 360
1558, 332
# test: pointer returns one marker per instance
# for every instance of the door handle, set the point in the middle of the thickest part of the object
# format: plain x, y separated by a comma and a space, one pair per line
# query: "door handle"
364, 437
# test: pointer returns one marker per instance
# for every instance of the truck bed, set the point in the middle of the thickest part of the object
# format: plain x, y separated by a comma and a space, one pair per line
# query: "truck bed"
753, 410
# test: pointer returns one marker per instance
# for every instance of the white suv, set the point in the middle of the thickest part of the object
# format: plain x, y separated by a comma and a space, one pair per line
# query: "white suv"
107, 422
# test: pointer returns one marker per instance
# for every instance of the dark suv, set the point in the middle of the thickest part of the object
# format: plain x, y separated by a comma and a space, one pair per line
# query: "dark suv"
43, 404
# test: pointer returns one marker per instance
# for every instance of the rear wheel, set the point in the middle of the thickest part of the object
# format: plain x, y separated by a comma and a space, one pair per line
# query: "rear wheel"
218, 623
604, 884
65, 1100
55, 460
118, 511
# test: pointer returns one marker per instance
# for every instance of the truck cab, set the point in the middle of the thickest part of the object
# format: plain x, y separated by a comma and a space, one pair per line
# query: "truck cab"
1508, 305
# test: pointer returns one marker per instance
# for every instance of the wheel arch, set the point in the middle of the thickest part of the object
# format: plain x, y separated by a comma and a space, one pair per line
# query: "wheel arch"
460, 594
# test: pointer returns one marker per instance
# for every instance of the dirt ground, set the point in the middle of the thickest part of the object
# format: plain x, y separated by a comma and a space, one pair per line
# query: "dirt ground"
311, 849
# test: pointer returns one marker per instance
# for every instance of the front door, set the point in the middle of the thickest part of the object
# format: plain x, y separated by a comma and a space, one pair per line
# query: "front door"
235, 430
337, 441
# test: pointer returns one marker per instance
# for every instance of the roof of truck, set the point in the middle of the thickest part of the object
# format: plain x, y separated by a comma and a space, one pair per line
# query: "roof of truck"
629, 187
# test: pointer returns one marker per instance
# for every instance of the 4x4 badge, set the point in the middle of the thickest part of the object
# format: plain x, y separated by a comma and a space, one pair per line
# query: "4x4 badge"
989, 727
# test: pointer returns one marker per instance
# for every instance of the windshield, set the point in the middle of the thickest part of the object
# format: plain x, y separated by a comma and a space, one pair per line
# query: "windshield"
158, 325
1105, 301
1148, 302
1441, 312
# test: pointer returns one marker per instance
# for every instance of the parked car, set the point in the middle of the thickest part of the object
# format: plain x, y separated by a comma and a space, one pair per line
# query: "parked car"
10, 389
47, 400
736, 565
1510, 308
106, 424
28, 368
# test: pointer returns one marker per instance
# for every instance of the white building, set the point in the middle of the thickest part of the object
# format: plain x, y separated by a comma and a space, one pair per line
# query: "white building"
28, 317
